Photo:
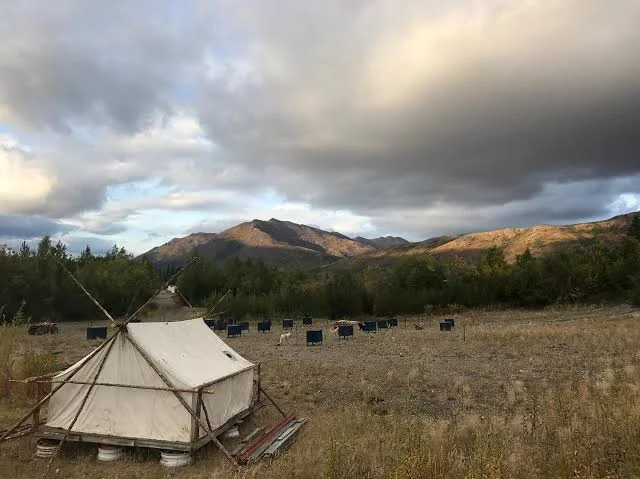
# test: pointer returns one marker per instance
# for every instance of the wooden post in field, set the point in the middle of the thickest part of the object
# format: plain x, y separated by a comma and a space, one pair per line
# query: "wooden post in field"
464, 332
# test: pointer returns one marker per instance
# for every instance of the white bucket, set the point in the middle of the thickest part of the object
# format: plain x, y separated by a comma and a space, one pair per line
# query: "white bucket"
110, 453
175, 459
232, 432
46, 447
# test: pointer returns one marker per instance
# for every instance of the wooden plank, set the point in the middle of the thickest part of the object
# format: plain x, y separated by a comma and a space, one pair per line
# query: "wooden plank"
36, 414
131, 386
285, 439
195, 426
57, 433
257, 454
251, 448
216, 381
253, 434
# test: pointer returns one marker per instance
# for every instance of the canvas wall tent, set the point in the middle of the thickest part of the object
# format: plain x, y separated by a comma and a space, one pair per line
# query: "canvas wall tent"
215, 380
126, 404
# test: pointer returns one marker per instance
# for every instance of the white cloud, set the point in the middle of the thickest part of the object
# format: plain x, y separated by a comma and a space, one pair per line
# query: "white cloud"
180, 134
24, 183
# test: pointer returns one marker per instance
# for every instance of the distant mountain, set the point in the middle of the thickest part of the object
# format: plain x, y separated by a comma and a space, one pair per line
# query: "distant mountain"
290, 244
383, 242
539, 239
273, 241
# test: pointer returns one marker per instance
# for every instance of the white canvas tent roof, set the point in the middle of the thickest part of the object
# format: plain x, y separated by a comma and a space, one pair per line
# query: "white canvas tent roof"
211, 376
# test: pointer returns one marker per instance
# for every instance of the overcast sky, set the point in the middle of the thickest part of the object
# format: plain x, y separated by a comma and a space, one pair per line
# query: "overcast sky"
133, 122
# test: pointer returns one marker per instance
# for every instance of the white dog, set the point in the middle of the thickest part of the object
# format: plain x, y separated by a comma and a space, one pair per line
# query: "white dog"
284, 337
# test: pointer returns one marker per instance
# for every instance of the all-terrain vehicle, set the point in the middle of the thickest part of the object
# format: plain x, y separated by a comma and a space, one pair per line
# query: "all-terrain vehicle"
43, 328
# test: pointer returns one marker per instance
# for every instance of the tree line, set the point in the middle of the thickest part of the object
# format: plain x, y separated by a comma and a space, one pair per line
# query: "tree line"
33, 281
596, 271
600, 270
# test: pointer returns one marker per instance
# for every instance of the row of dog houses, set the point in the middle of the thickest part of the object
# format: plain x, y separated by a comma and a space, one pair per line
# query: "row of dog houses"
235, 329
345, 330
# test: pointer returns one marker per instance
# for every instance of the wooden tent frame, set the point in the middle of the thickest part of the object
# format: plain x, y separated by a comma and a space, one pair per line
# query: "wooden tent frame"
197, 409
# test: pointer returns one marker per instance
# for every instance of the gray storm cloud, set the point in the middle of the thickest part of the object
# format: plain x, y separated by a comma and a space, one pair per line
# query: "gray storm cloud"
20, 226
71, 65
487, 110
472, 105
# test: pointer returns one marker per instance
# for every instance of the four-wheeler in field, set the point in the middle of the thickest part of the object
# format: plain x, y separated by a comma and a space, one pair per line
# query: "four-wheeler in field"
43, 328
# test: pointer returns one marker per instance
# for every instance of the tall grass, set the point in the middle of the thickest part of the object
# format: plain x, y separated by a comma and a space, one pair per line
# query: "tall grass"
585, 428
8, 343
29, 363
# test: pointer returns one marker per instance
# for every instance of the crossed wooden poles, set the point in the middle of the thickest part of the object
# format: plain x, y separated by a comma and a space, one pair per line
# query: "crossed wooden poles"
108, 344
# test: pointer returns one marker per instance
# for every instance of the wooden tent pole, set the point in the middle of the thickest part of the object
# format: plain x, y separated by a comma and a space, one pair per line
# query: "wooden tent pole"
206, 415
82, 404
113, 385
109, 341
182, 297
271, 400
106, 313
182, 400
90, 355
54, 390
164, 286
216, 305
259, 381
135, 296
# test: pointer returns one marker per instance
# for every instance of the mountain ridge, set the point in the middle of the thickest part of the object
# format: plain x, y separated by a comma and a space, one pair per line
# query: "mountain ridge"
274, 241
382, 242
291, 244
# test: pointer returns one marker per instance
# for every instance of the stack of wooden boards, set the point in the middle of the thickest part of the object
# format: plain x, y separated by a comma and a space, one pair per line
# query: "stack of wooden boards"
277, 438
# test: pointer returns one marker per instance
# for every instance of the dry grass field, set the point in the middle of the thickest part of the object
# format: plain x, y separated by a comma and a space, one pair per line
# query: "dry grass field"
551, 393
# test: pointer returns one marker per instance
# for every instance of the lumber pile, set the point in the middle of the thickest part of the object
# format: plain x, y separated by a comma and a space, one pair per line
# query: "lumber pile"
275, 440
